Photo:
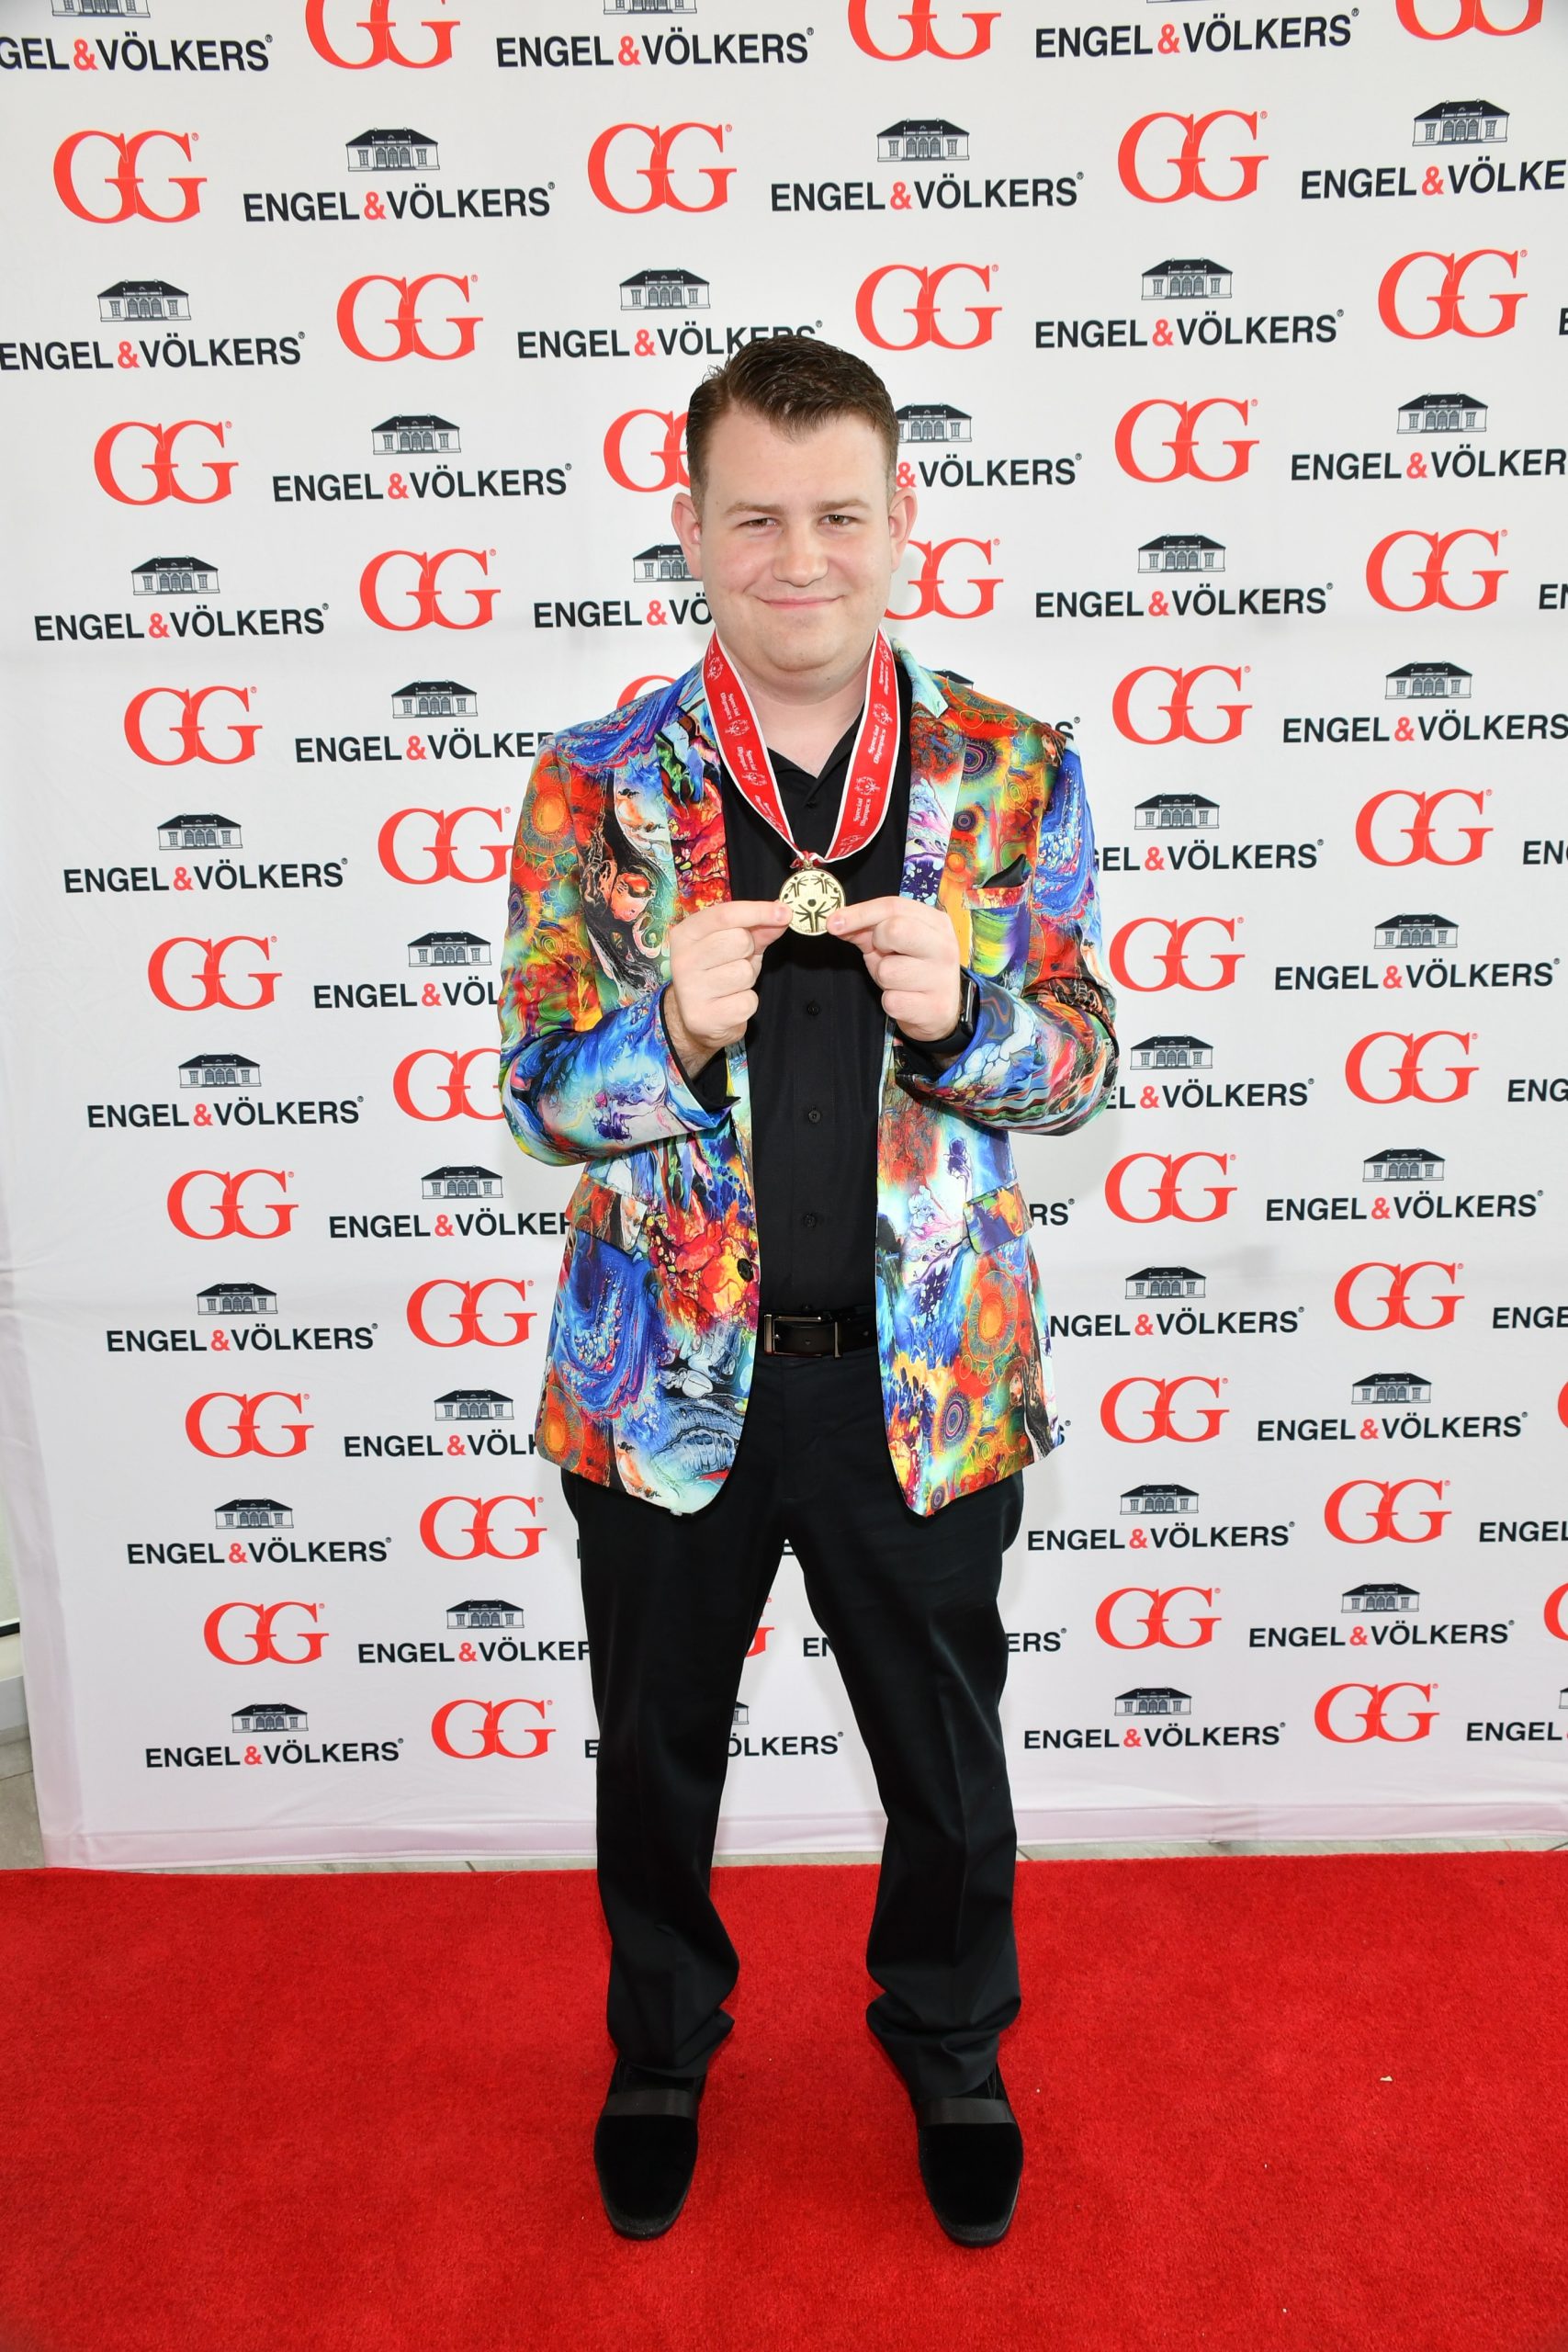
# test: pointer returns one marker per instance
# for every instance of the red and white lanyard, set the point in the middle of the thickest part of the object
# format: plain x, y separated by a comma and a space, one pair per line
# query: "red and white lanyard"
868, 785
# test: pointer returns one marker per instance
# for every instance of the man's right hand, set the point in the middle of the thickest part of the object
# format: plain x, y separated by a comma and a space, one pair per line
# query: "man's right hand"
714, 957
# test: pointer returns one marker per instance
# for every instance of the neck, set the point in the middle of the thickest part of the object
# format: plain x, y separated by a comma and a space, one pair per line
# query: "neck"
803, 718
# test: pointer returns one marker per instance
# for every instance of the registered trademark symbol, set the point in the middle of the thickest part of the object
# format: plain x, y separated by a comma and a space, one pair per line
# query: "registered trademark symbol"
1078, 175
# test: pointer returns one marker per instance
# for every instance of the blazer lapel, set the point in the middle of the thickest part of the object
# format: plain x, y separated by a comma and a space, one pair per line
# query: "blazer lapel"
936, 771
690, 773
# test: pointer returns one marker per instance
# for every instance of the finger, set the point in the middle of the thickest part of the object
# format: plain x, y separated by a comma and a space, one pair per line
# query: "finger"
752, 913
862, 915
903, 971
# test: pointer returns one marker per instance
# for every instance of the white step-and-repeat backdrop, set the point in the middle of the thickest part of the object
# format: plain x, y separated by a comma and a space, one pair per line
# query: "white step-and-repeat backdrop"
345, 352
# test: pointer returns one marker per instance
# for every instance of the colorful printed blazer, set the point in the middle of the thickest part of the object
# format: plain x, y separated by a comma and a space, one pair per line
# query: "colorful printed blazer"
654, 1327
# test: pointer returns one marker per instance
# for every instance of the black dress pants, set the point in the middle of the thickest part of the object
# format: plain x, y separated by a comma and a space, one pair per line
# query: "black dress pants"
910, 1605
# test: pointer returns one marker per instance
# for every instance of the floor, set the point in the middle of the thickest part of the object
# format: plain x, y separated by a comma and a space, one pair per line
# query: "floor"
22, 1849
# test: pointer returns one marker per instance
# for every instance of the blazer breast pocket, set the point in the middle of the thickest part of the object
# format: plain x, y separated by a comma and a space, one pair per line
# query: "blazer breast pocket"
1002, 890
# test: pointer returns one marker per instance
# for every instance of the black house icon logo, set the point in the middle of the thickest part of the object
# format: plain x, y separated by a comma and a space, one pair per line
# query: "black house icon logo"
393, 151
923, 138
236, 1298
1462, 122
1173, 1051
1416, 931
664, 561
1443, 412
175, 575
1379, 1600
470, 1616
129, 299
1166, 1281
1409, 1166
435, 698
253, 1510
1159, 1498
199, 832
473, 1405
1154, 1699
447, 947
272, 1715
219, 1069
932, 421
1427, 681
1187, 281
1392, 1388
664, 289
1176, 812
416, 436
462, 1183
1181, 551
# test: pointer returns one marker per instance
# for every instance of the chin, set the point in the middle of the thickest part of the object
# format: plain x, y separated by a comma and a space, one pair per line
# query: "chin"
806, 642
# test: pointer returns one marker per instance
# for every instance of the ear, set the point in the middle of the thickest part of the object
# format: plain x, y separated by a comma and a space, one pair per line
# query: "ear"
688, 525
901, 523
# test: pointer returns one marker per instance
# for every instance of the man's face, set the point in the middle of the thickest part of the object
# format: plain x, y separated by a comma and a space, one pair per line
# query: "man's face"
796, 546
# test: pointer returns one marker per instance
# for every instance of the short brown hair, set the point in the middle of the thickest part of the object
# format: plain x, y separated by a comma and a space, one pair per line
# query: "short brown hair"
797, 382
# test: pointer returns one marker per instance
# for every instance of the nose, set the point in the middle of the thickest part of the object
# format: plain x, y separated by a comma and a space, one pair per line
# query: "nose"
797, 557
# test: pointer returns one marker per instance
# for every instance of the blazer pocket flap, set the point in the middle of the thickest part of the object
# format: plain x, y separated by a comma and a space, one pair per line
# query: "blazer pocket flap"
997, 1216
608, 1214
1014, 874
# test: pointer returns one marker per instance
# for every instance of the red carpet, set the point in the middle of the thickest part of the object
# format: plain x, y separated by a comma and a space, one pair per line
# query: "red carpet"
1318, 2101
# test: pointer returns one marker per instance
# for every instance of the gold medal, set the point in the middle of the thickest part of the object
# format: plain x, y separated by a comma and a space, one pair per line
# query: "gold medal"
813, 892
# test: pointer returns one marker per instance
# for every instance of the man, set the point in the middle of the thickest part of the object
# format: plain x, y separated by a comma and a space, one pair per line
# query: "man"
792, 945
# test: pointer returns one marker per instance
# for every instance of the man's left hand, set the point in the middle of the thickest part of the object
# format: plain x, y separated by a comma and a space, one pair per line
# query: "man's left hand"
911, 953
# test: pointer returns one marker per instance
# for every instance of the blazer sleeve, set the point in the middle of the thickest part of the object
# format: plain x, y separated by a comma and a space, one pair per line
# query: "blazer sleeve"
577, 1080
1043, 1057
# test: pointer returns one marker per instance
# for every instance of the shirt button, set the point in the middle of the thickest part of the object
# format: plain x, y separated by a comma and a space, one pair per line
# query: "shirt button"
813, 1006
814, 1117
745, 1268
810, 1217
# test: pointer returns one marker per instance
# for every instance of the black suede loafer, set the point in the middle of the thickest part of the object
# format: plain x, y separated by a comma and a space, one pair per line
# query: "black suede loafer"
971, 2161
644, 2148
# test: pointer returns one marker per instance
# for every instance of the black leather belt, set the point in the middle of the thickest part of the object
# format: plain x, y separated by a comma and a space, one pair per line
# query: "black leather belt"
818, 1335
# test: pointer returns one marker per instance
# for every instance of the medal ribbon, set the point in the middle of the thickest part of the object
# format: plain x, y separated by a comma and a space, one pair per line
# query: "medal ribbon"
868, 783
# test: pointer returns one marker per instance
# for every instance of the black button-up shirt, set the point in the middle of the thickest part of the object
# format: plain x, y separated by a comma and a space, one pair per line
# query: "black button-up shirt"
814, 1045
